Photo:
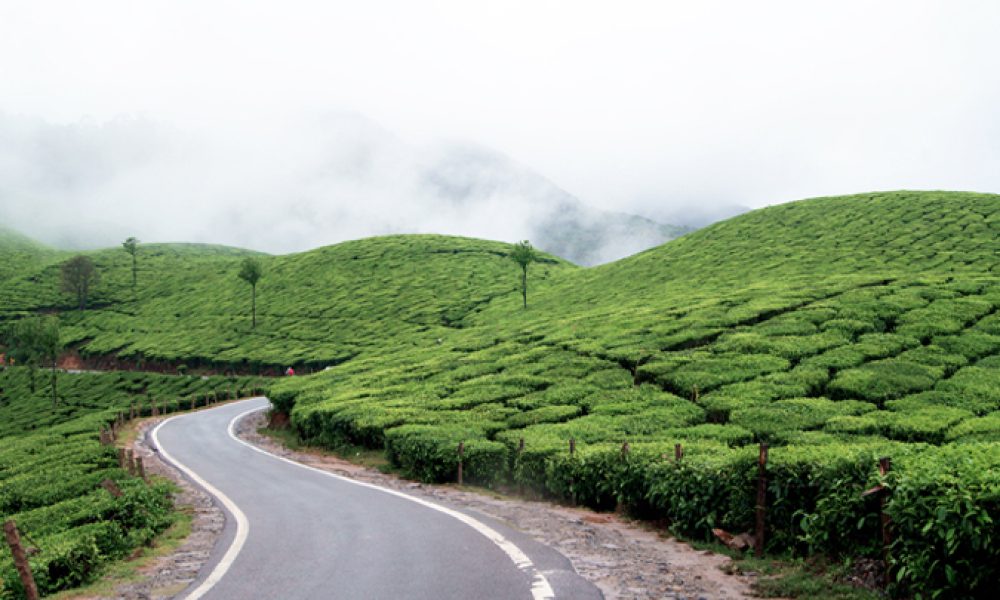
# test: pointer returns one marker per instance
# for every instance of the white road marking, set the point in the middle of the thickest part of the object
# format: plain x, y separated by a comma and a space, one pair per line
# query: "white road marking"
540, 588
242, 524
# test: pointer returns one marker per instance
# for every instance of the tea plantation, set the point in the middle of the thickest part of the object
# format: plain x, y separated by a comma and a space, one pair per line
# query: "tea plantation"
314, 309
837, 330
52, 463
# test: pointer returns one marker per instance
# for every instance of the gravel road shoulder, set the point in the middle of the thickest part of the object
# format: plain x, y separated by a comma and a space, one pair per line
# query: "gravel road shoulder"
624, 559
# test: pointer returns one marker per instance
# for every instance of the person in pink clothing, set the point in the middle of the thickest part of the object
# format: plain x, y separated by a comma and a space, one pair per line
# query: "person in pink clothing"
290, 371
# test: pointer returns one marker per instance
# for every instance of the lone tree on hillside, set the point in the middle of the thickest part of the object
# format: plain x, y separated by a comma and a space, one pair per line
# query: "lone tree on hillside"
131, 245
78, 275
250, 272
34, 342
523, 254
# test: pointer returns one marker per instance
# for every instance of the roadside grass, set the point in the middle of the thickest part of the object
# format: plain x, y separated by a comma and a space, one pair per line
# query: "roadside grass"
782, 576
777, 578
358, 455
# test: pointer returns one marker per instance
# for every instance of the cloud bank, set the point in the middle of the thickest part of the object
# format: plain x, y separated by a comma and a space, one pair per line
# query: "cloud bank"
283, 187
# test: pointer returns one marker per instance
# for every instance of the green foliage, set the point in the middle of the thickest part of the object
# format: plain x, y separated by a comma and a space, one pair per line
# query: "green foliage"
430, 453
836, 329
131, 246
51, 466
251, 271
79, 275
523, 254
883, 380
945, 534
34, 342
794, 414
983, 429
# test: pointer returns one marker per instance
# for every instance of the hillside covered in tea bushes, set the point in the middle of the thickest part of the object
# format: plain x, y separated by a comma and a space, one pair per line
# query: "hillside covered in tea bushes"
314, 309
837, 330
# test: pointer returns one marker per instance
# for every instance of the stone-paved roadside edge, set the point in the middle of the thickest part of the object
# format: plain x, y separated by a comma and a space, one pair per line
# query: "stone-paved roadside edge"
624, 560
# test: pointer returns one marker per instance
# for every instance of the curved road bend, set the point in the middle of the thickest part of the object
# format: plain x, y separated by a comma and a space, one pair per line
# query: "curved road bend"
293, 532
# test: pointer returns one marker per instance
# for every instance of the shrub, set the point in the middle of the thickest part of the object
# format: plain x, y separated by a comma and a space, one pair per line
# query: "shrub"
982, 429
882, 380
430, 453
796, 414
944, 507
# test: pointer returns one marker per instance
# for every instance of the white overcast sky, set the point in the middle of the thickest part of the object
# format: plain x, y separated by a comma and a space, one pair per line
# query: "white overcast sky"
639, 106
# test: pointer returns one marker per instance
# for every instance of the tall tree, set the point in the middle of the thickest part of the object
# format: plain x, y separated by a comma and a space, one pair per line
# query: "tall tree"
49, 346
251, 271
78, 275
131, 245
35, 341
18, 338
523, 254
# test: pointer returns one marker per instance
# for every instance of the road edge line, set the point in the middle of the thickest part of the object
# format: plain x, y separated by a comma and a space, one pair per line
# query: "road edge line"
242, 523
540, 587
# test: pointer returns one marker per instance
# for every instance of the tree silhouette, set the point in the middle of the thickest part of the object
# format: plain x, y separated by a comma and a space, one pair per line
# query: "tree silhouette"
251, 271
34, 341
131, 246
78, 275
523, 254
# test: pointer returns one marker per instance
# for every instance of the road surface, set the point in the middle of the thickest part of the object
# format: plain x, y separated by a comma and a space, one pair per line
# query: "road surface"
296, 532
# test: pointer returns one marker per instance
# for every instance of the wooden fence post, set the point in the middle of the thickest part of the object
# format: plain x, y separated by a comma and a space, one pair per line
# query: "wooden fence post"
130, 461
193, 398
461, 454
112, 488
520, 451
20, 560
761, 498
121, 459
140, 468
678, 452
625, 450
884, 466
572, 480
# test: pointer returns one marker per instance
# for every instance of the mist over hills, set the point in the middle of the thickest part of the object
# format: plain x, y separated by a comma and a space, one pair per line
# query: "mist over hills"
288, 186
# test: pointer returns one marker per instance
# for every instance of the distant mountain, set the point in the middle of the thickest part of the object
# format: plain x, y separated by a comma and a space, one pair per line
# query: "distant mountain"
696, 216
554, 220
588, 236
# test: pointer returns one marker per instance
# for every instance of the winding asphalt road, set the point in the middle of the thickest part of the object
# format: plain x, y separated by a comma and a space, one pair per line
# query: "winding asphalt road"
296, 532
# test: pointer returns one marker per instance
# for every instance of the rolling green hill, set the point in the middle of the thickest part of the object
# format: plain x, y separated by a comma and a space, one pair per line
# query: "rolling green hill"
839, 329
314, 308
834, 329
21, 254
